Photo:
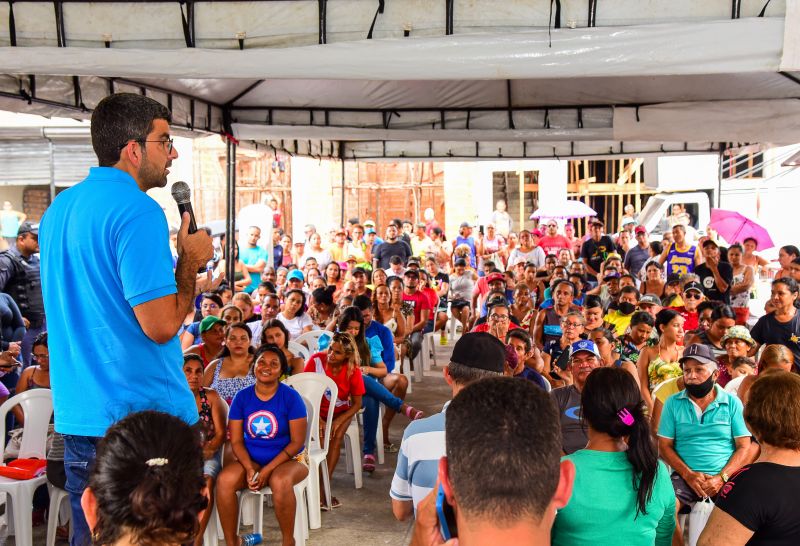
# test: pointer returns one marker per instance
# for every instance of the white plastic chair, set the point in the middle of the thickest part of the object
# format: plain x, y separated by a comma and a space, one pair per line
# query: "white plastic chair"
352, 452
298, 349
300, 493
428, 351
37, 407
57, 498
405, 369
311, 339
312, 387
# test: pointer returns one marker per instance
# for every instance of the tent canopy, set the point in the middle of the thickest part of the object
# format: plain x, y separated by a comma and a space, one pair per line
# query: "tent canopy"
437, 79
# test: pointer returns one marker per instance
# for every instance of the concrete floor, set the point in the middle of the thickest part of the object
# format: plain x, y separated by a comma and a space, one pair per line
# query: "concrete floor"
365, 517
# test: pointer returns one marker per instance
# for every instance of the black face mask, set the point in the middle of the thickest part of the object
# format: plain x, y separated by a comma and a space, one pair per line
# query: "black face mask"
699, 390
626, 307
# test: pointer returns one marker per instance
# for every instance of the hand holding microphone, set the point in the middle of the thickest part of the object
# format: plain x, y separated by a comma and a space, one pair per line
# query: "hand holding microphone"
193, 245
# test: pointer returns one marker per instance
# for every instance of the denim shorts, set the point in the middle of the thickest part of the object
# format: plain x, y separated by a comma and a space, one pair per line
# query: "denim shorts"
212, 466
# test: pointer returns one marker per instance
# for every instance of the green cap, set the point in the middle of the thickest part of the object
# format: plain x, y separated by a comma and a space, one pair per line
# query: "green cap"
207, 323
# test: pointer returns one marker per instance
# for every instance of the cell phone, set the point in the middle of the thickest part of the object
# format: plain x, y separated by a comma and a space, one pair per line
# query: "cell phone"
447, 518
480, 229
254, 479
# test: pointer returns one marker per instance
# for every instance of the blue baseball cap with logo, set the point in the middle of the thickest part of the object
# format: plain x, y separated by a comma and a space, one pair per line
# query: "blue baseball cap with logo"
584, 346
295, 275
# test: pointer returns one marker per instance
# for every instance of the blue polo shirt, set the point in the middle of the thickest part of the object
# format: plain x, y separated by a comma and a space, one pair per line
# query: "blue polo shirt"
376, 329
104, 250
705, 442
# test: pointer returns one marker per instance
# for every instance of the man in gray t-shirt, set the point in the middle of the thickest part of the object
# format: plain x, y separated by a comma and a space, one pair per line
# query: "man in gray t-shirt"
583, 358
637, 255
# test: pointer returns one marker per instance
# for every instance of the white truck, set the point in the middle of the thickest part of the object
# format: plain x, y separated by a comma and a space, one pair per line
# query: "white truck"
655, 214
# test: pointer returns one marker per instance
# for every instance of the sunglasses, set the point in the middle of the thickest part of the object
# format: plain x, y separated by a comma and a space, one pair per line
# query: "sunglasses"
693, 296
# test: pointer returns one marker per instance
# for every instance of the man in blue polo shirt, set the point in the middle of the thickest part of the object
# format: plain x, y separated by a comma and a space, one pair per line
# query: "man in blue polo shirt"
475, 356
702, 433
113, 303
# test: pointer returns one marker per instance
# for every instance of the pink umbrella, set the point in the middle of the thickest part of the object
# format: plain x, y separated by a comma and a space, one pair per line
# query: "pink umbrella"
735, 228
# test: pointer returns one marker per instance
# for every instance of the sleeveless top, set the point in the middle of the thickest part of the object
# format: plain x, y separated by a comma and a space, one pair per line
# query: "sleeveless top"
228, 387
470, 242
391, 324
681, 263
33, 384
206, 419
659, 370
552, 325
742, 299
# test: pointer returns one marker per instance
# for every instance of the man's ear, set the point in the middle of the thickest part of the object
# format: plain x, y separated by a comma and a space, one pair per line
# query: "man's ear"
565, 482
446, 374
89, 505
444, 481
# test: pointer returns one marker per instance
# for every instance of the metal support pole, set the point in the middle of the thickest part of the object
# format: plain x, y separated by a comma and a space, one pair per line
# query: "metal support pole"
342, 219
230, 213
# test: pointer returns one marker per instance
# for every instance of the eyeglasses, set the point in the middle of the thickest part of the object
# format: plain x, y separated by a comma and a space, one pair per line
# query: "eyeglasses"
552, 225
571, 324
41, 357
170, 143
693, 296
499, 318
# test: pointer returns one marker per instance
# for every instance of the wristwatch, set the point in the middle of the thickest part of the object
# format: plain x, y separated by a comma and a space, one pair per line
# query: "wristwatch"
724, 477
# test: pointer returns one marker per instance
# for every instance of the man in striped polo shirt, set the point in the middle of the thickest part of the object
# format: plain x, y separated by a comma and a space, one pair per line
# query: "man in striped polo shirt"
475, 356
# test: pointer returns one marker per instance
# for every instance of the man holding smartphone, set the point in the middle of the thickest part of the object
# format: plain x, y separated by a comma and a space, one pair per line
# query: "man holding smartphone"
114, 304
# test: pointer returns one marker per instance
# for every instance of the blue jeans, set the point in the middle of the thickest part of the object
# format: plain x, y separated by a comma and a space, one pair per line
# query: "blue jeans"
376, 394
79, 455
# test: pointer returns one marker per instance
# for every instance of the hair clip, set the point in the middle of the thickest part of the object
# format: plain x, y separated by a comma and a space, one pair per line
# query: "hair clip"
158, 461
625, 416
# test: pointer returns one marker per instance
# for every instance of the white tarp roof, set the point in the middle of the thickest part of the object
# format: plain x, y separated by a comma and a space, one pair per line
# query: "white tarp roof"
647, 77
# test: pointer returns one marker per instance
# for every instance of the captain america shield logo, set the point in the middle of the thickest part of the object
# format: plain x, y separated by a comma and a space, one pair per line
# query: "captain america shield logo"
262, 424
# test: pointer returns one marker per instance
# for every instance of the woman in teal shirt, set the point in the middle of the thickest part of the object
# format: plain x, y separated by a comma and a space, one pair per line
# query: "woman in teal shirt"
622, 493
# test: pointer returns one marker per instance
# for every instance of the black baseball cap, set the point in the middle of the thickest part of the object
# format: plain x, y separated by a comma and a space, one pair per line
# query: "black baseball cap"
28, 227
411, 273
694, 285
359, 271
480, 350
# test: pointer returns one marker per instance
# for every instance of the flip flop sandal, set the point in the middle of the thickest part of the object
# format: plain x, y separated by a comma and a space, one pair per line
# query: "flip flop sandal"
390, 448
368, 464
335, 503
413, 413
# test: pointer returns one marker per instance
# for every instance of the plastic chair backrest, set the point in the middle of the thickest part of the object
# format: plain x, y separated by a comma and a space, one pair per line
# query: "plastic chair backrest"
310, 418
300, 350
310, 339
312, 387
37, 407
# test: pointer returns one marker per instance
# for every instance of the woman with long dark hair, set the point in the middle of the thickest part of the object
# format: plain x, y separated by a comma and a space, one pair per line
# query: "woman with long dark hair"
618, 478
232, 370
782, 324
275, 333
373, 370
659, 363
293, 315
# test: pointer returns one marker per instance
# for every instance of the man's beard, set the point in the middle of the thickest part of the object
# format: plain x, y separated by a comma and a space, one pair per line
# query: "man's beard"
151, 176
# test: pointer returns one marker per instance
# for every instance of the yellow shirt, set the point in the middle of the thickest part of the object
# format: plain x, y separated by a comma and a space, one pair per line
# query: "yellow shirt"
619, 321
667, 389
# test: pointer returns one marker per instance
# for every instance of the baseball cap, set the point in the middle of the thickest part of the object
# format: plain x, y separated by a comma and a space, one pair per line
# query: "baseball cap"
370, 230
464, 224
208, 322
708, 242
359, 271
699, 352
537, 233
585, 346
28, 227
611, 275
673, 278
738, 332
295, 275
411, 272
412, 261
640, 229
649, 299
694, 285
369, 223
628, 220
495, 277
480, 350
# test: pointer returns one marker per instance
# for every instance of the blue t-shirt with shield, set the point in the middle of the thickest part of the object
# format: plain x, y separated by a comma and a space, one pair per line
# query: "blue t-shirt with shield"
266, 423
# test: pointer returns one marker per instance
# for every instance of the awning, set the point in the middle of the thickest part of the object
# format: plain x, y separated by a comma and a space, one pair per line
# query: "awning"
472, 80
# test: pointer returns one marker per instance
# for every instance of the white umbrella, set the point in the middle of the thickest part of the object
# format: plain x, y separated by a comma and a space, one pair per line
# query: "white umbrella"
565, 210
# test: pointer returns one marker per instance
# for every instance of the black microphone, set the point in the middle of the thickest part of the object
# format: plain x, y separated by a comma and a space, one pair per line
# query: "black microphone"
181, 193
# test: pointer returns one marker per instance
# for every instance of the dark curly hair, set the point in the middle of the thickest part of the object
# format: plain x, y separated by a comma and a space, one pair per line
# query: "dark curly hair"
155, 503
